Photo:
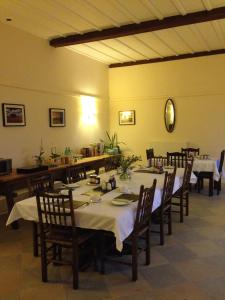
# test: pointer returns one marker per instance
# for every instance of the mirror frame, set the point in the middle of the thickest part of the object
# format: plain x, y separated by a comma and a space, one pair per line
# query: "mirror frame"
172, 126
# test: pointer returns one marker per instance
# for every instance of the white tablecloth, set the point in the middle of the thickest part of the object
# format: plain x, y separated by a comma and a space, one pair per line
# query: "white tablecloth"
206, 165
103, 215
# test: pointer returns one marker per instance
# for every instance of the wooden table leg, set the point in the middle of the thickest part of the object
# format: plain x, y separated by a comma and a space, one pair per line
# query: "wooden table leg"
211, 185
10, 204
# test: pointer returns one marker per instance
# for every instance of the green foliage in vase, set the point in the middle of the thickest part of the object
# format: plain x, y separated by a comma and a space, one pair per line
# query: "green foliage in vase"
127, 161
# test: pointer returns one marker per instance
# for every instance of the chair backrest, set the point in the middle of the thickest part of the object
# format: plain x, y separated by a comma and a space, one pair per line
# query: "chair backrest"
187, 175
158, 160
144, 208
112, 163
221, 161
177, 159
55, 209
150, 153
75, 174
191, 151
40, 183
168, 188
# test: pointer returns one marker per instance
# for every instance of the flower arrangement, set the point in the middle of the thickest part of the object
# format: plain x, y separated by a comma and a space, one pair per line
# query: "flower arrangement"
125, 163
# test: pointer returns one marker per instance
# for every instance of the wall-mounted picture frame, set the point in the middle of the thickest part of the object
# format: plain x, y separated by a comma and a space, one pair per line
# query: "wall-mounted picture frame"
127, 117
13, 114
57, 117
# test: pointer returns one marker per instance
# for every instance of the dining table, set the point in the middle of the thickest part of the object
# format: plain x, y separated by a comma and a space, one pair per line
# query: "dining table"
105, 210
209, 166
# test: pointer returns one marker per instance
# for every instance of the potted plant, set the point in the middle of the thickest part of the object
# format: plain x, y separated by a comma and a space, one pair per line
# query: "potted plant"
111, 144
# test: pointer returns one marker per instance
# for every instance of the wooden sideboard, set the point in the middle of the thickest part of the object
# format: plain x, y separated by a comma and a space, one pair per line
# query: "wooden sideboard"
10, 183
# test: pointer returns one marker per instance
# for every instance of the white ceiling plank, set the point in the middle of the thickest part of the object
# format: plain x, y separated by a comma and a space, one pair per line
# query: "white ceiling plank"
181, 37
45, 10
104, 13
165, 37
179, 6
153, 9
154, 52
192, 5
122, 7
207, 4
137, 46
126, 41
210, 36
27, 21
115, 45
82, 22
191, 38
198, 34
219, 32
87, 50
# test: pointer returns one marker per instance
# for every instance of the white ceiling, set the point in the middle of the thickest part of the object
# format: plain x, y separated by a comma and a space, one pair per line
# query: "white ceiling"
58, 18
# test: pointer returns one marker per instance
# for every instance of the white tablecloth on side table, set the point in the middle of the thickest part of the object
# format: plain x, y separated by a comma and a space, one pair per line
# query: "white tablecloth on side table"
206, 165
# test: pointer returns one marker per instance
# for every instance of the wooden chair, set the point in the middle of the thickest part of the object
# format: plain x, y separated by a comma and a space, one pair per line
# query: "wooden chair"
183, 192
217, 184
75, 174
40, 183
164, 212
112, 163
149, 153
189, 151
158, 160
141, 229
177, 159
58, 231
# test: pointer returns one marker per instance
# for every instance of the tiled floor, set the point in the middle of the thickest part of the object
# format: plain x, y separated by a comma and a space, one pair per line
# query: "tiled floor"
191, 265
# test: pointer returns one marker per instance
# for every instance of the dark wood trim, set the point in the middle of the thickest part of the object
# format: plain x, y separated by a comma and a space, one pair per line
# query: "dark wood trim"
146, 26
167, 58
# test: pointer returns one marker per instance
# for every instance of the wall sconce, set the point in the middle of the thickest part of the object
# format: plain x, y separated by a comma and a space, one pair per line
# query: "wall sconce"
88, 105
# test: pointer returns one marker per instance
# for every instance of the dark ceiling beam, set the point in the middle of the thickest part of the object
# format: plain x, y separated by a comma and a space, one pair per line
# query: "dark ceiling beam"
147, 26
167, 58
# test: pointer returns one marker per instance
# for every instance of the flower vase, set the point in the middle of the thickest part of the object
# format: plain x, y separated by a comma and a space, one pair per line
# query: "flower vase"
125, 175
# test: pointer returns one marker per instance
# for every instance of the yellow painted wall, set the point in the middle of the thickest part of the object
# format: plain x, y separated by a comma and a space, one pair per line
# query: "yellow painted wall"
41, 77
197, 87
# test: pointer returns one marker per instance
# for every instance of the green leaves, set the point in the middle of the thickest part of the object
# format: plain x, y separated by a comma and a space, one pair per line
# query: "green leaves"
127, 161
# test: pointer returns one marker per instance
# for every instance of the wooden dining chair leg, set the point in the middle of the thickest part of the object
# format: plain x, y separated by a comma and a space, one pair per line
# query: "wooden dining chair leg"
170, 221
35, 238
134, 259
44, 262
187, 204
181, 208
211, 185
147, 251
75, 267
162, 230
102, 252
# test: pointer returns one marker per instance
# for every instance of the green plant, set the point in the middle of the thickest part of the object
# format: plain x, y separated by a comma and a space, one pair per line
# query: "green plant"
54, 153
126, 162
39, 157
111, 142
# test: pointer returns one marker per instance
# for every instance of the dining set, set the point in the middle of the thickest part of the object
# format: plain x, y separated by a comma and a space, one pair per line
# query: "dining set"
81, 215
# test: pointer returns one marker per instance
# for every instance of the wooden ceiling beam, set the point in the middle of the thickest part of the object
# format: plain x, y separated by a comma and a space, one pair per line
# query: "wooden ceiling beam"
168, 58
146, 26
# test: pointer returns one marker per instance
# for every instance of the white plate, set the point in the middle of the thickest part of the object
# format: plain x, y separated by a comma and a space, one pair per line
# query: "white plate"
120, 202
72, 185
90, 183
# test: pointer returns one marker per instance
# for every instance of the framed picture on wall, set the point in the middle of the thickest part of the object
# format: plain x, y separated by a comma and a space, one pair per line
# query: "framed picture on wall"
13, 114
127, 117
57, 117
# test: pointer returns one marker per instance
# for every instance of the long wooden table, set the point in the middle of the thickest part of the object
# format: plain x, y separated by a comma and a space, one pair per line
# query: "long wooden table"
14, 181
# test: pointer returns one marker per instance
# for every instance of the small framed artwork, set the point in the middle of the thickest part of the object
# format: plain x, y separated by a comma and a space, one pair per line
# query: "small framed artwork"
13, 114
57, 117
127, 117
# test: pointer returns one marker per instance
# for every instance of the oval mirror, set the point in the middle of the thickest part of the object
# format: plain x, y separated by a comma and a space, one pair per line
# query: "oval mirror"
169, 115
